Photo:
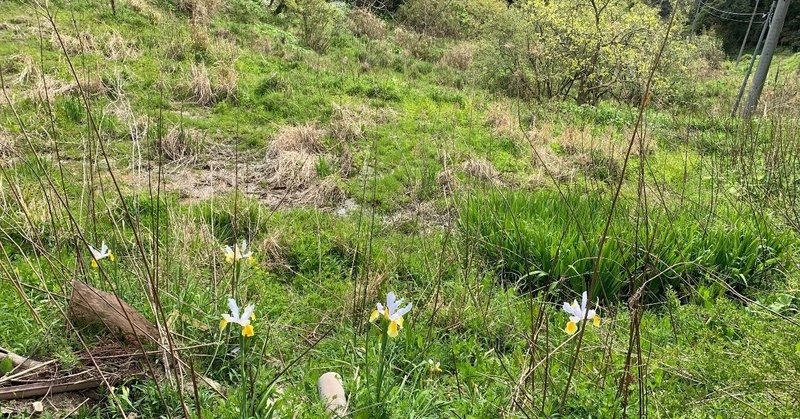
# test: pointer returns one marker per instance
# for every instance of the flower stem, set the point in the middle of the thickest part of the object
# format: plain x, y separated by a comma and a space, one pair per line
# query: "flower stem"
244, 378
382, 363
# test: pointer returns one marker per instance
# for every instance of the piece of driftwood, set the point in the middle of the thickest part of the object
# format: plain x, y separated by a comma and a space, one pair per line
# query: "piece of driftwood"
89, 305
331, 392
20, 362
25, 391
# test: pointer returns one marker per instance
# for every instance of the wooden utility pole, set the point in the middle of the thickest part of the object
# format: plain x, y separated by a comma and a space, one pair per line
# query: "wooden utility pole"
775, 27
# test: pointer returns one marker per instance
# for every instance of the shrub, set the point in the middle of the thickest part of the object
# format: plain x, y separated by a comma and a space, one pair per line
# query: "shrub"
455, 19
532, 239
532, 50
319, 22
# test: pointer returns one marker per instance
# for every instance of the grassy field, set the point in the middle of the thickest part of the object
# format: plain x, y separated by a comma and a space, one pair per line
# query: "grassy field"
358, 157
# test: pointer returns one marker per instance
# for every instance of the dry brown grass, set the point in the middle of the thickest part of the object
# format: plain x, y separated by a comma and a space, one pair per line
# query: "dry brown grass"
481, 169
327, 192
348, 123
275, 250
198, 86
226, 80
447, 180
7, 148
547, 163
116, 47
146, 9
21, 68
200, 10
346, 161
783, 98
180, 145
418, 45
502, 122
84, 42
364, 23
297, 138
293, 170
459, 56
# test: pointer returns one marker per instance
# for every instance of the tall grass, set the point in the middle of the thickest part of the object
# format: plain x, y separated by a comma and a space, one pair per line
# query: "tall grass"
536, 239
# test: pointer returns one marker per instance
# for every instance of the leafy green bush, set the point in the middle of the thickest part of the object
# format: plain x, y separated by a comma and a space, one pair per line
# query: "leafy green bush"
546, 49
456, 19
533, 238
319, 22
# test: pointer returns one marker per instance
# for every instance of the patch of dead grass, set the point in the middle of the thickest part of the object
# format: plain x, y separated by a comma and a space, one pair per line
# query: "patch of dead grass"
459, 56
305, 138
364, 23
7, 148
481, 169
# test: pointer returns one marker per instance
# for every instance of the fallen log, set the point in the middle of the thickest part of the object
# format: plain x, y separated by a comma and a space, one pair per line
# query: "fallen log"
25, 391
89, 305
18, 361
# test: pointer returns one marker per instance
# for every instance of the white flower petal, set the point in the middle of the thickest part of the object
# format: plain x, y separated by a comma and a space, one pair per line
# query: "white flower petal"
248, 311
234, 308
401, 312
584, 300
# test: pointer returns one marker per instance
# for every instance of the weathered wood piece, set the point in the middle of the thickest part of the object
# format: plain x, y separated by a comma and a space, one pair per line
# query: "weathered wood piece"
89, 305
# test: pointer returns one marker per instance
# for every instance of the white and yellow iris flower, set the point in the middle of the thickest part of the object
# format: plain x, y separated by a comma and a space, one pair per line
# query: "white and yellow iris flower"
98, 255
434, 367
243, 320
392, 312
238, 252
577, 313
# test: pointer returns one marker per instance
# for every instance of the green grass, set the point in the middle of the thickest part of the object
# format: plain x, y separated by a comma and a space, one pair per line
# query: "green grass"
456, 251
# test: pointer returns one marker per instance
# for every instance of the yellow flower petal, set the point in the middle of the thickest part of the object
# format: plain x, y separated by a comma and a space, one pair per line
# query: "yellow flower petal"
374, 316
392, 332
400, 322
571, 328
94, 263
111, 256
248, 331
596, 321
228, 259
223, 324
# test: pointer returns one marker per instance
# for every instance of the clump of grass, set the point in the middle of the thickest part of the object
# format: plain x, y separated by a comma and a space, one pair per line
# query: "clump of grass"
364, 23
180, 145
349, 123
459, 56
482, 170
291, 157
226, 81
293, 170
420, 46
200, 11
198, 85
533, 238
116, 47
23, 69
7, 148
84, 42
297, 138
502, 121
